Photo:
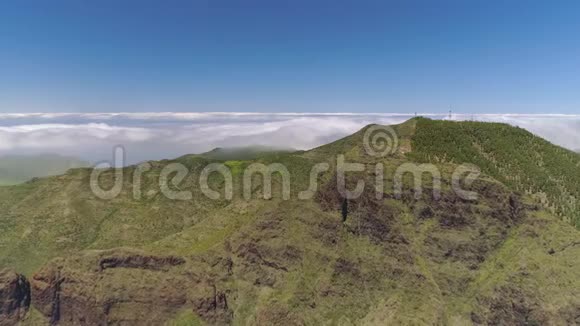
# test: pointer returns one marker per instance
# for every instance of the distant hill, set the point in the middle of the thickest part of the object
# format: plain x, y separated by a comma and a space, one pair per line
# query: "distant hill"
504, 259
17, 169
243, 153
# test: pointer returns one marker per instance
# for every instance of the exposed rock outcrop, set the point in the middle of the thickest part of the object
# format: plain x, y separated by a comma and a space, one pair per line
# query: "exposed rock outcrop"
127, 287
14, 297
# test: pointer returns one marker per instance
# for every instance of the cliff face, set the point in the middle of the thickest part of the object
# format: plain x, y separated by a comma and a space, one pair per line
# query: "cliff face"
14, 297
390, 262
119, 287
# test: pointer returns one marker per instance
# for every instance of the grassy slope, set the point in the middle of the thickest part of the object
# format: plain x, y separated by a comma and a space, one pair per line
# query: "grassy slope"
388, 264
519, 159
242, 153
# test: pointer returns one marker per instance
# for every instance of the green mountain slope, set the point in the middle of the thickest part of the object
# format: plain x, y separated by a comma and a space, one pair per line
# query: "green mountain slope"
502, 259
514, 156
243, 153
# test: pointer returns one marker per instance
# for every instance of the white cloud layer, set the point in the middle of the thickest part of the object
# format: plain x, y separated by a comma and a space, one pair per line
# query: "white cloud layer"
166, 135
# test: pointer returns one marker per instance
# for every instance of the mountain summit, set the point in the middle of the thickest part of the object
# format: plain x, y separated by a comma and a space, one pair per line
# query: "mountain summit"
394, 254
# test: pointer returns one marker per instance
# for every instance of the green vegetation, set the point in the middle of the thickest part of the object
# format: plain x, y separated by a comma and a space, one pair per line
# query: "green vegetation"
186, 318
394, 260
243, 153
514, 156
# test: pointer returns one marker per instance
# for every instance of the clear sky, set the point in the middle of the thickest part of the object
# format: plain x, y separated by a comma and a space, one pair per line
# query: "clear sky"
290, 56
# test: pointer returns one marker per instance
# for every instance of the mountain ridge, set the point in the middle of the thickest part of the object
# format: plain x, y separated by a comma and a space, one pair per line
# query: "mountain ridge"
398, 259
516, 157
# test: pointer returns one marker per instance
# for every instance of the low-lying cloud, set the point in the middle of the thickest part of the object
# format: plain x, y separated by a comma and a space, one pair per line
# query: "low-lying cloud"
147, 136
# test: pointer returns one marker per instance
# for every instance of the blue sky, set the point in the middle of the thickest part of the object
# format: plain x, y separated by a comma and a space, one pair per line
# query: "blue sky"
290, 56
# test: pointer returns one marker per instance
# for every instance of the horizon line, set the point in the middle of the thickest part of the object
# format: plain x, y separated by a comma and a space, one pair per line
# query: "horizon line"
250, 113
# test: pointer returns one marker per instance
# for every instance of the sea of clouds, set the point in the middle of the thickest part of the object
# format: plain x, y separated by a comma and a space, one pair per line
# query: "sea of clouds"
150, 136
